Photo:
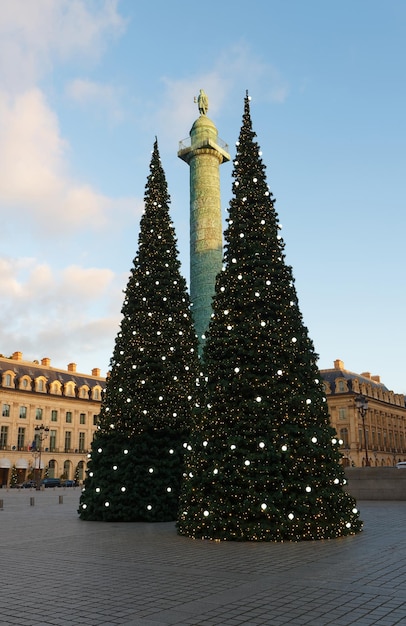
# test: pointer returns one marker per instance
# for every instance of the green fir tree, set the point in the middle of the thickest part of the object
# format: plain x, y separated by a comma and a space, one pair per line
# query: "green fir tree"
13, 476
136, 465
264, 461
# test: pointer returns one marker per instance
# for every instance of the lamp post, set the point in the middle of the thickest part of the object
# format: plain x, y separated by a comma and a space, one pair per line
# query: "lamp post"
41, 433
361, 402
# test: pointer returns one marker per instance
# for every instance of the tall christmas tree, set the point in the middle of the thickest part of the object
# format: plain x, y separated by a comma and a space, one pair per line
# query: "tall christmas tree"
264, 461
136, 464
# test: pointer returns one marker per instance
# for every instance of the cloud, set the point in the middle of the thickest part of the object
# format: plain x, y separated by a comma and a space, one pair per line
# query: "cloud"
36, 184
241, 67
35, 35
34, 176
49, 312
237, 68
89, 93
26, 280
55, 308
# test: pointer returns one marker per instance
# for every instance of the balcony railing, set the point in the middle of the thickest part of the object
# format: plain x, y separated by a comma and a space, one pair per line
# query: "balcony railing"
207, 137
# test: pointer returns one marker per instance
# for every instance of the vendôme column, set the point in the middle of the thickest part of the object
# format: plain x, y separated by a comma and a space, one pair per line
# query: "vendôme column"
204, 152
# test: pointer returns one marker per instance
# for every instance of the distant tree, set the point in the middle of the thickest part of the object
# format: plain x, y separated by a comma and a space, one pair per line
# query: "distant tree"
13, 476
264, 463
136, 464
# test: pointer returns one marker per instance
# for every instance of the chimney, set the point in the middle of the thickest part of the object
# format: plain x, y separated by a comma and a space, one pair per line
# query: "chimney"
338, 364
71, 367
46, 361
366, 374
17, 356
95, 371
376, 379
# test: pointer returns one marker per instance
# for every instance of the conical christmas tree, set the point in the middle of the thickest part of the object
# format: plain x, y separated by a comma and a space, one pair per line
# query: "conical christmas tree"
264, 463
136, 464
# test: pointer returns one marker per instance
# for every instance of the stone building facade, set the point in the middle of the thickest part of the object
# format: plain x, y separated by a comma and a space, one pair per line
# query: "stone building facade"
381, 436
67, 404
47, 420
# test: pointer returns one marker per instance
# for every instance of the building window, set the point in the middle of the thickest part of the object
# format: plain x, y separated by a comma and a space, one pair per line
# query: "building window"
96, 394
82, 442
68, 441
21, 438
40, 384
70, 389
69, 417
82, 418
342, 413
24, 383
341, 386
52, 440
51, 468
23, 412
54, 415
56, 388
38, 414
36, 444
95, 420
6, 410
8, 380
344, 437
66, 469
3, 436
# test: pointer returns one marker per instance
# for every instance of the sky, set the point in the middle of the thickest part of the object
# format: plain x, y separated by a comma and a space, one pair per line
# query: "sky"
86, 85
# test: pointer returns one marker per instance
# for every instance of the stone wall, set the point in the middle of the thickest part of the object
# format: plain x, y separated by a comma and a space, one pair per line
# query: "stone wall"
376, 483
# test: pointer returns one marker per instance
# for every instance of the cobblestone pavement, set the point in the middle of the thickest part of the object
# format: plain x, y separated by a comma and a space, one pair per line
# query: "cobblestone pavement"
56, 569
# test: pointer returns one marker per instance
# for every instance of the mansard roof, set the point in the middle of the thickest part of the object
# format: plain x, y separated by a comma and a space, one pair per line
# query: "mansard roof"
35, 370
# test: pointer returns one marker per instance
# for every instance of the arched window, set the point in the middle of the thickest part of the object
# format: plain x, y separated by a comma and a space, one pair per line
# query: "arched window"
70, 389
67, 469
25, 383
40, 384
56, 388
84, 392
80, 470
52, 469
341, 385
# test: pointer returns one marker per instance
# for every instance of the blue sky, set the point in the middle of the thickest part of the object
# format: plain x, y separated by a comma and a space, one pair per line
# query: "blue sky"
86, 85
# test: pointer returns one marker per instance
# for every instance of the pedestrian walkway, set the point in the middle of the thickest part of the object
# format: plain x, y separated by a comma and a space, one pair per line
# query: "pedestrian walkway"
58, 570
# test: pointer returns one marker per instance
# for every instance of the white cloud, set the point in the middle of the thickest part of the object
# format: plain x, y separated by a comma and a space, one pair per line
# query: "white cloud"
49, 313
35, 179
239, 66
236, 70
34, 176
89, 93
34, 35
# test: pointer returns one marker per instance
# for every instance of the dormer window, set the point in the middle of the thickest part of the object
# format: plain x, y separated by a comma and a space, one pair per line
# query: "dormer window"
25, 383
341, 385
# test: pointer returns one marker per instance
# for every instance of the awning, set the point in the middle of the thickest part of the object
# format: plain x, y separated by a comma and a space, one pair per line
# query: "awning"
5, 463
22, 464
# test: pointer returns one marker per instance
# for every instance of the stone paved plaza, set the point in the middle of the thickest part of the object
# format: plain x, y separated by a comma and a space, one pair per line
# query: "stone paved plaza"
56, 569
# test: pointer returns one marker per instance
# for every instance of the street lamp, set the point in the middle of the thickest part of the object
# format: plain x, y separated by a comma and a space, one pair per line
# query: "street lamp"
41, 433
361, 402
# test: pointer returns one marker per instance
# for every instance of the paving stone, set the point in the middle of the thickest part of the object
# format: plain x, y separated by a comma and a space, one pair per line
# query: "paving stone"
60, 571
